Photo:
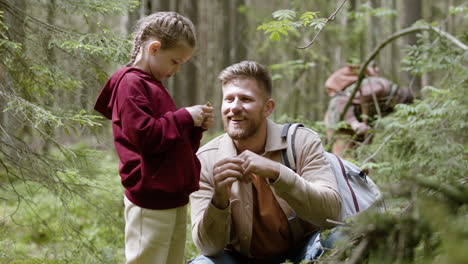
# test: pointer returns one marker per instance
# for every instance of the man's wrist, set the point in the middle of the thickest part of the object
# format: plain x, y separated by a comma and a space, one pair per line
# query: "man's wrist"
276, 172
219, 205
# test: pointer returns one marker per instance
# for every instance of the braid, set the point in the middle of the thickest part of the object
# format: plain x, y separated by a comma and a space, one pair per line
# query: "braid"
169, 28
136, 47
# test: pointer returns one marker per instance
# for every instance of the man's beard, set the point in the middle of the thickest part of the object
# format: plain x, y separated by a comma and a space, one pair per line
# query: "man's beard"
240, 133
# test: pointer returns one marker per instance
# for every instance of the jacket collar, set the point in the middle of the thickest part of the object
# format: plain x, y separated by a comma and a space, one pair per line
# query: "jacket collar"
274, 141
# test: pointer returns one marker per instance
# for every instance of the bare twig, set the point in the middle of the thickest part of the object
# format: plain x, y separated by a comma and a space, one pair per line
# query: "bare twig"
360, 251
379, 148
330, 18
337, 222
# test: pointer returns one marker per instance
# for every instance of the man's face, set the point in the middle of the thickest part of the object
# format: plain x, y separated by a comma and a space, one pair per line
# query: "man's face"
244, 109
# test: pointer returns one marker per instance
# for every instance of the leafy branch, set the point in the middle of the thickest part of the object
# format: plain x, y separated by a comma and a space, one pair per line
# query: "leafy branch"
325, 21
37, 116
286, 22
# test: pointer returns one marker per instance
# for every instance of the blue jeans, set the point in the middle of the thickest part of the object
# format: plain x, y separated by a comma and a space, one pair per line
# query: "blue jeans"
308, 250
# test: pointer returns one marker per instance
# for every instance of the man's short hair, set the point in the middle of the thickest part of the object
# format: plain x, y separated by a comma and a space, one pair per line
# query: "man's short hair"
247, 69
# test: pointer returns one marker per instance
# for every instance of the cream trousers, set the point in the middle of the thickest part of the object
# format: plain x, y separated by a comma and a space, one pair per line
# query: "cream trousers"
154, 236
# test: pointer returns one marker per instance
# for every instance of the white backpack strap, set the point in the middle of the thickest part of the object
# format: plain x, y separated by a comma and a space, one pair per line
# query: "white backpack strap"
345, 178
289, 154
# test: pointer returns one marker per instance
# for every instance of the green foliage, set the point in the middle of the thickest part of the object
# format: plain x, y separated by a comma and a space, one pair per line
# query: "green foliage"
38, 117
432, 53
289, 69
441, 117
285, 15
365, 11
57, 225
286, 22
5, 43
106, 44
99, 6
317, 126
58, 201
418, 157
79, 222
461, 9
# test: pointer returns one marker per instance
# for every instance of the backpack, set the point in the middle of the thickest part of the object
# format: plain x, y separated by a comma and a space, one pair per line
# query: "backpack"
358, 192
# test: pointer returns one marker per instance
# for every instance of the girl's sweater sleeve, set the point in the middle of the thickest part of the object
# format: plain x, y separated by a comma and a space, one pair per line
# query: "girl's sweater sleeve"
195, 136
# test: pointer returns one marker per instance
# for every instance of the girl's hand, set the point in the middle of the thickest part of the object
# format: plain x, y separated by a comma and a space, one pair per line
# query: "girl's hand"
200, 113
208, 121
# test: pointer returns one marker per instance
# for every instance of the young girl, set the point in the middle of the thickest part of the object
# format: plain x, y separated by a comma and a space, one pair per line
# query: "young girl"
155, 141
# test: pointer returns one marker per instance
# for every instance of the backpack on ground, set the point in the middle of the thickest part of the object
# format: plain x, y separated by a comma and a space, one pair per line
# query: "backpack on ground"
358, 192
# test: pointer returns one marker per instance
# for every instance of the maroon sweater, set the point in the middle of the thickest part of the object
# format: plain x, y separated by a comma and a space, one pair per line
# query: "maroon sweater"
156, 143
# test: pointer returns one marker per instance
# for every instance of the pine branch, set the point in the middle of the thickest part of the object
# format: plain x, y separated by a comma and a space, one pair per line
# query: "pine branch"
16, 12
449, 191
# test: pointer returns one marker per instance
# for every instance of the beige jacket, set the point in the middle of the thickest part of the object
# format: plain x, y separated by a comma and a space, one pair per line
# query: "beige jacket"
309, 195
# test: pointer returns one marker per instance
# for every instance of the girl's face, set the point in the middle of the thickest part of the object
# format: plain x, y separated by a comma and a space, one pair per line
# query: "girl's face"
162, 64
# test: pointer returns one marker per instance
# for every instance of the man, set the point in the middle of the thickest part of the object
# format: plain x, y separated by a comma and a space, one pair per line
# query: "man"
251, 208
377, 97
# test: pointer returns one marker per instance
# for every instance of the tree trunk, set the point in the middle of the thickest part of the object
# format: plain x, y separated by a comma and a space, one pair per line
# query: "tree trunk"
132, 18
227, 29
375, 28
240, 39
51, 58
353, 4
412, 13
395, 54
160, 5
191, 70
15, 33
184, 85
145, 8
178, 84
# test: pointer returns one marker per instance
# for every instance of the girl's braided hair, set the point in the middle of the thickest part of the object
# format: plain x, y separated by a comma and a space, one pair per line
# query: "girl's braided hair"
167, 27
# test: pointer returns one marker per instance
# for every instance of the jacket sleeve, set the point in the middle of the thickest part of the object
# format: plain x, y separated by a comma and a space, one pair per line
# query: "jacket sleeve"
195, 138
210, 226
147, 133
311, 192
